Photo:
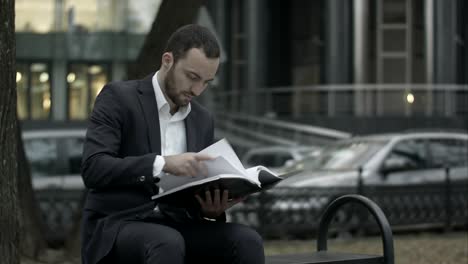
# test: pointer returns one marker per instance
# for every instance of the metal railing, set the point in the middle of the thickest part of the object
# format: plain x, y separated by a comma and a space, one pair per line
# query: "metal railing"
347, 100
295, 212
253, 131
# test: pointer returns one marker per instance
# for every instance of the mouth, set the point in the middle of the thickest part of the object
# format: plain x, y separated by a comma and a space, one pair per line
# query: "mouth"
189, 97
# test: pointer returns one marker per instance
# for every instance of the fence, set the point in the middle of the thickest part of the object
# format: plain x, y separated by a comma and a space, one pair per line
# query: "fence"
59, 208
295, 212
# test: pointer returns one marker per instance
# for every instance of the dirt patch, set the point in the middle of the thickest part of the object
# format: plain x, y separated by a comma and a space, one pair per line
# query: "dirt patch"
434, 248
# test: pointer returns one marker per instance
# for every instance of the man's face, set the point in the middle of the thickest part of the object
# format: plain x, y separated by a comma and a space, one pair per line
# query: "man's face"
189, 76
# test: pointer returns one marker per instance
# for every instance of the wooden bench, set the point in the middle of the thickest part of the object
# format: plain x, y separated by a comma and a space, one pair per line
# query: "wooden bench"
324, 256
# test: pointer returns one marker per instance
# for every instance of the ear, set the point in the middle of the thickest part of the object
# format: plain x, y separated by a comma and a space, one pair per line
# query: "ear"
167, 60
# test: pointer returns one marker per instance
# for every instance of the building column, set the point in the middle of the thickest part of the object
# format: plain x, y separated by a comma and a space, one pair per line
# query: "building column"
445, 52
59, 90
252, 30
445, 41
429, 39
360, 62
337, 48
338, 44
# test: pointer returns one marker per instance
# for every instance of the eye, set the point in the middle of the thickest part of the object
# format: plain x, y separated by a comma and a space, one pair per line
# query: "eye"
193, 77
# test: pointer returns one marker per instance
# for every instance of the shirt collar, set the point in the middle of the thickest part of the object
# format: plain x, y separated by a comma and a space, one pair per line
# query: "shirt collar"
163, 105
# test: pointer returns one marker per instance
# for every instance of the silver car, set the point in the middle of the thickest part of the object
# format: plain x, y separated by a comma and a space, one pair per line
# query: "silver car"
420, 179
54, 156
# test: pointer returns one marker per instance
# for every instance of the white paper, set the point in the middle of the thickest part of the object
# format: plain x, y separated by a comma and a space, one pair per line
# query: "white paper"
225, 162
223, 148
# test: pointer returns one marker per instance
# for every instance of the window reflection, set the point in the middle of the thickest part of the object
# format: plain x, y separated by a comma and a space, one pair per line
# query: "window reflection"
22, 90
42, 155
33, 85
44, 16
40, 91
34, 15
77, 91
85, 81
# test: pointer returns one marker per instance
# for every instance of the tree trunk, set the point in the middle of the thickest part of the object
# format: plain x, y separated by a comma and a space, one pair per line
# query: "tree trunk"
8, 124
172, 14
31, 224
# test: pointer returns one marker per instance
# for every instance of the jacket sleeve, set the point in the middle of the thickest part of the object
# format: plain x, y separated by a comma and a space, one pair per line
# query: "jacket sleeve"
101, 166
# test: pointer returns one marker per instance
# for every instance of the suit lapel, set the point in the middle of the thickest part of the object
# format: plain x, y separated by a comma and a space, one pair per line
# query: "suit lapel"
150, 112
191, 131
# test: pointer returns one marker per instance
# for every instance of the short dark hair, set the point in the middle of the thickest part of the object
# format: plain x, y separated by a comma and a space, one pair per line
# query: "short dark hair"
192, 36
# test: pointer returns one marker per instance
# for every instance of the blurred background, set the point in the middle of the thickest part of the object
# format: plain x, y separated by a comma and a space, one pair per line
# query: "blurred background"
301, 86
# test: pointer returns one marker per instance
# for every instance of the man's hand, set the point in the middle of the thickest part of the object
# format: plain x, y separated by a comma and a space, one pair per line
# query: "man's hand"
214, 206
186, 164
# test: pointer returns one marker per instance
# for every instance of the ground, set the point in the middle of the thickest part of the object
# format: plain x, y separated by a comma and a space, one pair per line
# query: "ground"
433, 248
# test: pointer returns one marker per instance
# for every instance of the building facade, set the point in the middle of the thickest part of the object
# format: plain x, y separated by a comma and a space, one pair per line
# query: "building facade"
312, 61
326, 61
67, 50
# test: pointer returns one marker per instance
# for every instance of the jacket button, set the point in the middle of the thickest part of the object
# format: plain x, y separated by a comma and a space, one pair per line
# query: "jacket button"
142, 178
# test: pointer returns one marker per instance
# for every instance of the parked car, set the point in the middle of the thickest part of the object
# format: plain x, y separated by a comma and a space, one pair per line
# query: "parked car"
54, 156
418, 178
276, 158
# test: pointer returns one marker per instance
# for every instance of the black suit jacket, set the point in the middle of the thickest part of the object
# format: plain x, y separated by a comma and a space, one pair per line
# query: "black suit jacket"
122, 141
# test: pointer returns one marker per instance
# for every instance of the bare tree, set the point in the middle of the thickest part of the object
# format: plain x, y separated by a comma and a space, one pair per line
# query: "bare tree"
172, 14
9, 207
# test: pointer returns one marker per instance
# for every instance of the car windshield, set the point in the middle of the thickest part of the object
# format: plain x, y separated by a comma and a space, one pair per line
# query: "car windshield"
54, 156
347, 155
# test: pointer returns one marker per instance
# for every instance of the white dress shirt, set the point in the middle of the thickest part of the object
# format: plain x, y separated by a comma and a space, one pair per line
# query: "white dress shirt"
172, 129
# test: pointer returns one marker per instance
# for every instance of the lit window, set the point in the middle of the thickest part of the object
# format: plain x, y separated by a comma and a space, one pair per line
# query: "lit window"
85, 81
33, 86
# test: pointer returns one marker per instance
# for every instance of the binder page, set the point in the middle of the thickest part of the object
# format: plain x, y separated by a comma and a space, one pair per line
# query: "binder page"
224, 149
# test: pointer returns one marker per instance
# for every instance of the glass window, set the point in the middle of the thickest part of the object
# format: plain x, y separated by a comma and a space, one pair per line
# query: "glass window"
40, 91
85, 81
42, 155
344, 155
22, 90
33, 85
77, 91
394, 11
34, 16
98, 78
448, 153
412, 154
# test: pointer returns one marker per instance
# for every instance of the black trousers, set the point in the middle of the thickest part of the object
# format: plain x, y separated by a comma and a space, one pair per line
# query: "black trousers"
210, 242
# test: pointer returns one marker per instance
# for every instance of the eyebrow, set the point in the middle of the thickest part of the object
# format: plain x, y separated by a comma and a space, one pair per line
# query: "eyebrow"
192, 72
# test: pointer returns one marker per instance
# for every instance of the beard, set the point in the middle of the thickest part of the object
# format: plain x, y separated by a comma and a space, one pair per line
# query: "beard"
171, 90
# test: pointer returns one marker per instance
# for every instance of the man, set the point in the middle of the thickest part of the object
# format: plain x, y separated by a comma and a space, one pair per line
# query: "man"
139, 131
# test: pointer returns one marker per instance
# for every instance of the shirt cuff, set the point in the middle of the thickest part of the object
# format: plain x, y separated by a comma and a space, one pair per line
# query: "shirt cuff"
158, 166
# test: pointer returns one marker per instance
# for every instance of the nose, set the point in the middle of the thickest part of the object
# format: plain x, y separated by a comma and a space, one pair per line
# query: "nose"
198, 88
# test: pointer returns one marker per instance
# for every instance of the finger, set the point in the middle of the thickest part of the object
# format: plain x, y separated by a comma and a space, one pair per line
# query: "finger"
208, 200
224, 200
217, 198
201, 157
200, 200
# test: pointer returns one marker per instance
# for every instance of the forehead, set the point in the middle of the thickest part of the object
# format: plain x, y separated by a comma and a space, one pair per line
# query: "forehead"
196, 61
